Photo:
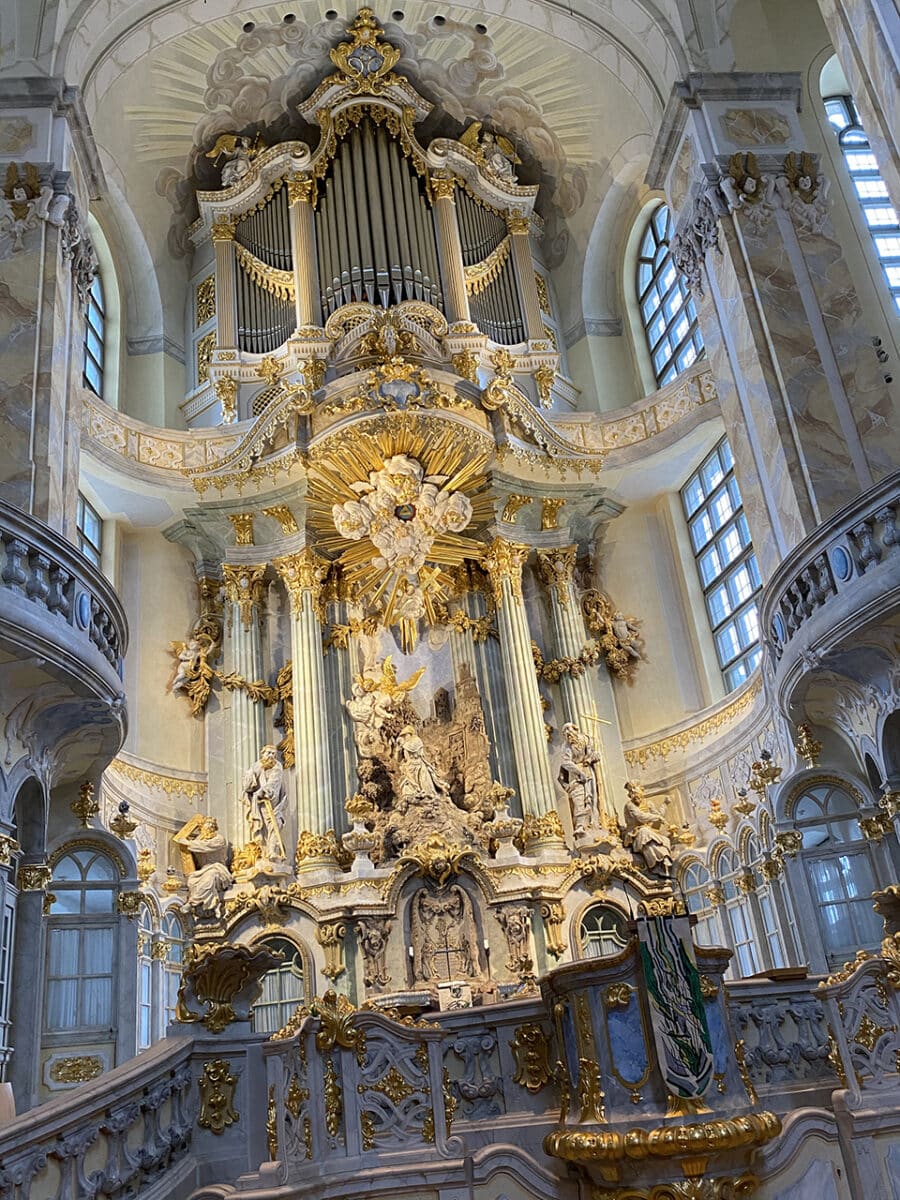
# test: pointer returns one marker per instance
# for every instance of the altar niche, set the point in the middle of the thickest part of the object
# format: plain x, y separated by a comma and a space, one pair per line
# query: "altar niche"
445, 933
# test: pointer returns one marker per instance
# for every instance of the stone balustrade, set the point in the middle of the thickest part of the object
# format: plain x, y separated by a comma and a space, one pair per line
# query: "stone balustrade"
47, 587
111, 1137
785, 1035
844, 574
356, 1095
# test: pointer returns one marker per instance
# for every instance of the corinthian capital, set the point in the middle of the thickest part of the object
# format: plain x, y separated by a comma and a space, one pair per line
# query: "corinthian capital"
556, 568
302, 572
504, 560
244, 588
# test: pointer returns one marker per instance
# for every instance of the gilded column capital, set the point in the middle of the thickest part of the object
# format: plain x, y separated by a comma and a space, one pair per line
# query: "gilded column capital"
504, 560
302, 572
518, 225
301, 189
244, 588
443, 187
243, 528
556, 568
223, 229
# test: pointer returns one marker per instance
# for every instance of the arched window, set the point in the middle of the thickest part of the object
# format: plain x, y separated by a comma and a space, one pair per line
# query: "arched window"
871, 190
81, 942
764, 898
283, 988
603, 932
667, 309
738, 911
839, 868
94, 337
726, 563
173, 940
697, 886
145, 979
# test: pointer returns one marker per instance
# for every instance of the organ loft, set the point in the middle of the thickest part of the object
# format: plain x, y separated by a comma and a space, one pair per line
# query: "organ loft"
448, 573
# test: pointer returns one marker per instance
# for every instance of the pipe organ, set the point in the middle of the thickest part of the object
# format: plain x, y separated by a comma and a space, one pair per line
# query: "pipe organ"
264, 276
369, 217
490, 275
374, 228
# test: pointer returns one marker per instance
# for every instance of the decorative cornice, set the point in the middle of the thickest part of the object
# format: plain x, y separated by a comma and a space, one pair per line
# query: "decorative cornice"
191, 789
682, 738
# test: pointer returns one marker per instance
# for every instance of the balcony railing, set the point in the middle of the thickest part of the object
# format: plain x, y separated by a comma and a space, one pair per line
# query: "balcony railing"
846, 570
47, 588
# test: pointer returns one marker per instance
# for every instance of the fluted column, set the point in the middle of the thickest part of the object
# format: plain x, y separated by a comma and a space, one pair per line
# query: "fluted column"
303, 574
301, 192
587, 698
222, 234
244, 594
503, 562
456, 299
520, 242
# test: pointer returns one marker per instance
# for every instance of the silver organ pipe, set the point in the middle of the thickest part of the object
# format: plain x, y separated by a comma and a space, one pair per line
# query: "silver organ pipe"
383, 156
266, 318
495, 308
382, 246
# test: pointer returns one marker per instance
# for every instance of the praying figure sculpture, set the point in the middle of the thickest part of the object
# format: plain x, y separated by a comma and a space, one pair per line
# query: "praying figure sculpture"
579, 777
265, 801
645, 831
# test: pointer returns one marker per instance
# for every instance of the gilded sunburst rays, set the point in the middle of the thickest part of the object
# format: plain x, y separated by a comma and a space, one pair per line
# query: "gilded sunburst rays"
392, 507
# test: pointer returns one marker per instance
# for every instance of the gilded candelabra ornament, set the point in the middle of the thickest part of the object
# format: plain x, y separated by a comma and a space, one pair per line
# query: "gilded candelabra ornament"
85, 807
121, 824
718, 817
807, 746
744, 805
147, 867
763, 773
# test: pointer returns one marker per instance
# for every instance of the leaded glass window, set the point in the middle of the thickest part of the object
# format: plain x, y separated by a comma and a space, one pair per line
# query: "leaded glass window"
668, 312
726, 563
871, 190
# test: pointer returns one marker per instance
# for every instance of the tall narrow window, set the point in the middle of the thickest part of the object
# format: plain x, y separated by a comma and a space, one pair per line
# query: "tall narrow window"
90, 531
667, 310
871, 190
94, 333
726, 563
145, 979
81, 945
840, 869
173, 934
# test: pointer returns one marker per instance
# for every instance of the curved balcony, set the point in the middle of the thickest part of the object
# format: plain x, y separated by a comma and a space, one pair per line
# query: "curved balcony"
62, 637
839, 581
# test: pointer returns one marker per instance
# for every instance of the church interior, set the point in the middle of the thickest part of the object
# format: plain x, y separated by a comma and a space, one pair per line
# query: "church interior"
450, 600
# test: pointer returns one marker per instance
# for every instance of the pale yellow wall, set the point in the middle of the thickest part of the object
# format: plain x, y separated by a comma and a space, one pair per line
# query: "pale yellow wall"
158, 589
640, 569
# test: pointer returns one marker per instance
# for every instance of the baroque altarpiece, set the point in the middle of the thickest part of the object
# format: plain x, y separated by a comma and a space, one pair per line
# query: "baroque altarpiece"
400, 653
